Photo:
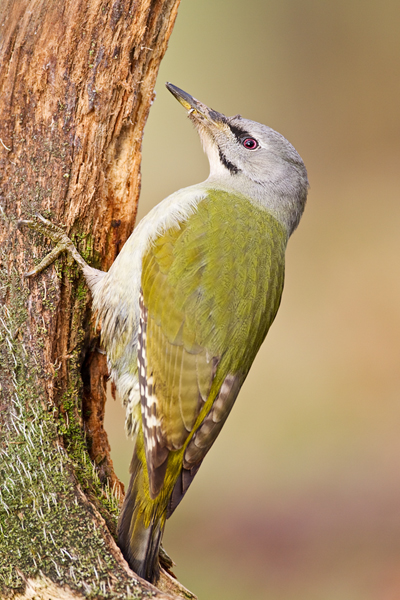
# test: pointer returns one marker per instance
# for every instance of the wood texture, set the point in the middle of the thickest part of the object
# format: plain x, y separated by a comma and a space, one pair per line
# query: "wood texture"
76, 86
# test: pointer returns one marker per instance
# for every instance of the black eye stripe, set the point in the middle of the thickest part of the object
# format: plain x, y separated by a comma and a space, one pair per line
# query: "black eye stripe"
239, 133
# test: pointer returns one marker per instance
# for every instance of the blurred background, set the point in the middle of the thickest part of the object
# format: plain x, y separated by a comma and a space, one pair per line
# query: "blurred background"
299, 498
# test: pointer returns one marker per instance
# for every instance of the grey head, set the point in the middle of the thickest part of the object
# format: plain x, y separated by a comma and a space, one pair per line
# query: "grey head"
252, 159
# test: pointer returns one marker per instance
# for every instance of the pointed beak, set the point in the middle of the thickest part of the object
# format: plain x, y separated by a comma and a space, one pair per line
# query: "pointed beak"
198, 111
184, 98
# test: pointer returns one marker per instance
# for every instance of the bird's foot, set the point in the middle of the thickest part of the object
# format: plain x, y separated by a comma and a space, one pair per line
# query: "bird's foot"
58, 236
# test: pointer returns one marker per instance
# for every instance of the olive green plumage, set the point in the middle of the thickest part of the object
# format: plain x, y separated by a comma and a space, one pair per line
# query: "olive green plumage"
211, 291
191, 320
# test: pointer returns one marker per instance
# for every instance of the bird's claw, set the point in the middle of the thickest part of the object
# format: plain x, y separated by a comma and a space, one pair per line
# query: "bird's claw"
55, 233
47, 228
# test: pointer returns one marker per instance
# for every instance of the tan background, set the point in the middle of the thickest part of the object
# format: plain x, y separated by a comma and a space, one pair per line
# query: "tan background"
300, 497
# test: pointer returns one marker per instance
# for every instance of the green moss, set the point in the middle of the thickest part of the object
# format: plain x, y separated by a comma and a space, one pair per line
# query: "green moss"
76, 445
85, 245
45, 524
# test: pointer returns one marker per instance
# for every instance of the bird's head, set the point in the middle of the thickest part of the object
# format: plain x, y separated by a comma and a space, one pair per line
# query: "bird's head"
250, 158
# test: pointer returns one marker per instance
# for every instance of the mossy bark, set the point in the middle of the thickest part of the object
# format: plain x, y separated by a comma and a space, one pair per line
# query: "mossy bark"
76, 81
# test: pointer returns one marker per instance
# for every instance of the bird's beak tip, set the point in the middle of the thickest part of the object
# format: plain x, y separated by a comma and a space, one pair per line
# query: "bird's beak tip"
183, 97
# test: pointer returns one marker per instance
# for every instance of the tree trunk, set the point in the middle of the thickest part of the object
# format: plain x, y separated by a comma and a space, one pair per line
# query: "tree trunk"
76, 81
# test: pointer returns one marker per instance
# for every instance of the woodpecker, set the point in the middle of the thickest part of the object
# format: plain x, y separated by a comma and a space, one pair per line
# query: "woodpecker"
186, 306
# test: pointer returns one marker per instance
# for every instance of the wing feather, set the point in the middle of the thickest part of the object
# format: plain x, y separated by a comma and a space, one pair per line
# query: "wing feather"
210, 294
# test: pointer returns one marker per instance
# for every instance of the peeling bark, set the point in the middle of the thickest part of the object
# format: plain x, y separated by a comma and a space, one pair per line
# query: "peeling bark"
76, 81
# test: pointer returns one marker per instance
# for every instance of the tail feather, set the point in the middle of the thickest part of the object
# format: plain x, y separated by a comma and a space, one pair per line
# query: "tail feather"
140, 544
181, 486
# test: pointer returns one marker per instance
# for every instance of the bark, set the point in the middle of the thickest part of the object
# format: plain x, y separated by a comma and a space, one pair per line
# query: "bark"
76, 81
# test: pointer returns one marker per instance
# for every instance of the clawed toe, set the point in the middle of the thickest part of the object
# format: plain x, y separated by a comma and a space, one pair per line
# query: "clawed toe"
58, 236
45, 227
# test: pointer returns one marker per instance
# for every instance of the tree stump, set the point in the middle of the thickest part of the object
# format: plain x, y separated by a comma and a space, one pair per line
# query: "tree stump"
76, 81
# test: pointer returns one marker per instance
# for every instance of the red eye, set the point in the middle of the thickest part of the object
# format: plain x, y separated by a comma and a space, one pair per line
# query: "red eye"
250, 143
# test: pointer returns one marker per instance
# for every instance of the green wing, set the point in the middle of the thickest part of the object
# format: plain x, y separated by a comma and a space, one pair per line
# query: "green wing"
211, 288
